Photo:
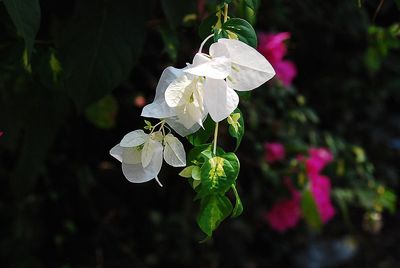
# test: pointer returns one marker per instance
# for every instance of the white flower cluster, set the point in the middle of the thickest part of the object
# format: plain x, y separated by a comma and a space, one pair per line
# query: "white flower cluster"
184, 98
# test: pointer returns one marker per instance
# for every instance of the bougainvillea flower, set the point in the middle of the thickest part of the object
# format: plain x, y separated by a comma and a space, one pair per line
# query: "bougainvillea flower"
320, 189
273, 47
284, 215
142, 154
176, 117
231, 65
286, 71
274, 151
322, 153
319, 158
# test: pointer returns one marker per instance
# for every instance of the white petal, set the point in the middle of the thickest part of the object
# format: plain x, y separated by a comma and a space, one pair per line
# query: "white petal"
179, 127
132, 155
174, 152
134, 138
159, 108
250, 69
117, 152
137, 174
219, 99
217, 68
179, 91
148, 151
219, 50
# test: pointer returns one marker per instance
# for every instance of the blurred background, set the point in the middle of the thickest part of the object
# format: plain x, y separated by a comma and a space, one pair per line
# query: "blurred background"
74, 76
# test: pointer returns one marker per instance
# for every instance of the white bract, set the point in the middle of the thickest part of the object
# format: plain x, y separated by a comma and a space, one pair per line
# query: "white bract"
142, 154
231, 65
174, 116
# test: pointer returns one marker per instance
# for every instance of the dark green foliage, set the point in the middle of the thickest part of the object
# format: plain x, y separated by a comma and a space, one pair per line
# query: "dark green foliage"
26, 18
100, 46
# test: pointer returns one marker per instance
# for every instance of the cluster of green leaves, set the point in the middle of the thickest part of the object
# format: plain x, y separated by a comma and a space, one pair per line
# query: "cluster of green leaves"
381, 42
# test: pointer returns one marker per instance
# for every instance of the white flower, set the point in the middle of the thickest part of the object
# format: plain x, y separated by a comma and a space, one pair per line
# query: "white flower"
142, 154
176, 117
231, 65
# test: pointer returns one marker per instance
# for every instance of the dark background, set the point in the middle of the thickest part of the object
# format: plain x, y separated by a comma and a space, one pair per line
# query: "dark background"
64, 201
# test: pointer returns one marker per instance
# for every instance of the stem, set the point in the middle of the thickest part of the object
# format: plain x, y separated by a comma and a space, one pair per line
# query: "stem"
162, 122
204, 42
215, 139
225, 13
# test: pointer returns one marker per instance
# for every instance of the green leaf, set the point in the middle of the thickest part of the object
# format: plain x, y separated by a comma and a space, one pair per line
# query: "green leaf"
196, 173
176, 10
213, 210
208, 25
102, 113
236, 126
187, 172
397, 3
237, 29
25, 15
195, 156
253, 4
238, 209
310, 211
219, 173
100, 47
171, 42
203, 134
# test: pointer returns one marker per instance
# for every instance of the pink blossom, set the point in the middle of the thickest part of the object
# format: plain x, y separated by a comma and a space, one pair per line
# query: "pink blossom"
284, 215
274, 151
321, 153
319, 158
273, 48
320, 189
286, 71
1, 133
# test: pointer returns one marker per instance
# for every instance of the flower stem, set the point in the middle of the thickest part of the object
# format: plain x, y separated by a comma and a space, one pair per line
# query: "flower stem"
225, 13
215, 139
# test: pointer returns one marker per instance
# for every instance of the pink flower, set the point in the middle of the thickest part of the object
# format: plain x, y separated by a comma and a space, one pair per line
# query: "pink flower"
286, 71
319, 158
284, 215
274, 151
273, 48
321, 153
1, 133
320, 189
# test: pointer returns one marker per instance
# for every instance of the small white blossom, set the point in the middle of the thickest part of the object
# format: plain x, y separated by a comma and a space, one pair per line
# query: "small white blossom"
142, 154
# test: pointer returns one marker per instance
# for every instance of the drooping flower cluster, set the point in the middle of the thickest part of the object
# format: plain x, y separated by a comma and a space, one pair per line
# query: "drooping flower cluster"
272, 46
184, 98
286, 213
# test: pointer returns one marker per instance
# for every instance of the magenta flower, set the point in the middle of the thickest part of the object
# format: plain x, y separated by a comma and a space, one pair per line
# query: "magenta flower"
286, 71
274, 151
319, 158
284, 215
1, 133
320, 189
273, 48
321, 153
